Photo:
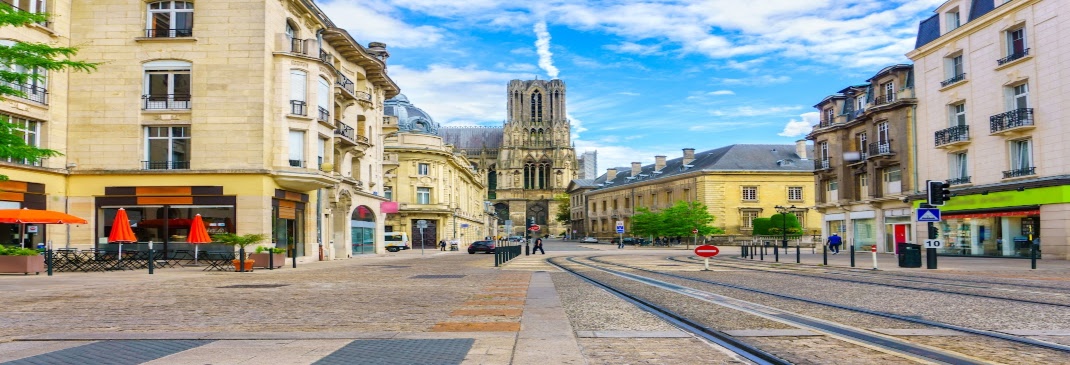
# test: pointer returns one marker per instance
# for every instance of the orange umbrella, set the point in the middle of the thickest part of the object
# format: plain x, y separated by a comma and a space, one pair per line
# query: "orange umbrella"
24, 216
197, 235
120, 230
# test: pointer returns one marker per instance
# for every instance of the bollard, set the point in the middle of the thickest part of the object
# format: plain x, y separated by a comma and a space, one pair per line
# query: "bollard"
1033, 255
873, 250
761, 253
776, 254
825, 255
294, 257
930, 258
48, 261
852, 249
152, 255
798, 254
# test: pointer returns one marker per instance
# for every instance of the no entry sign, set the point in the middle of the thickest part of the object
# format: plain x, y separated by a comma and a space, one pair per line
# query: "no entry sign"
707, 251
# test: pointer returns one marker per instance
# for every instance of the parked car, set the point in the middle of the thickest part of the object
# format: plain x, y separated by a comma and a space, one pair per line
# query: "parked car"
627, 240
642, 241
589, 240
516, 238
481, 246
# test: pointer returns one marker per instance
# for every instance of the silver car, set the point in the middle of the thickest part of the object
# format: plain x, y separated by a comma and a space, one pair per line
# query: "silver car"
589, 240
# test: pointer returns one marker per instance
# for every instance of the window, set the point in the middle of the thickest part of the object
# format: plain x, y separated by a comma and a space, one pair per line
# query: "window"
952, 19
832, 185
297, 148
27, 130
863, 186
423, 169
167, 148
536, 106
795, 193
423, 195
883, 138
829, 115
956, 66
170, 19
747, 218
668, 198
388, 193
1022, 154
1020, 97
801, 215
958, 115
32, 6
959, 168
167, 85
321, 151
323, 100
861, 139
860, 103
298, 90
824, 150
889, 89
750, 193
1016, 42
893, 174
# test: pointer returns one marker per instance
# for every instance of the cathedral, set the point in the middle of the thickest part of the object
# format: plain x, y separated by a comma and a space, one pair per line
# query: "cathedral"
528, 160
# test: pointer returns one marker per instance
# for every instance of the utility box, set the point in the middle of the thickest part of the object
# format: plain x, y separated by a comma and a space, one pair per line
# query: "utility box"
910, 255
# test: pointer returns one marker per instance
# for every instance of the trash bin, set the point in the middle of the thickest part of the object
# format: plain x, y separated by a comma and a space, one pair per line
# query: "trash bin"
910, 255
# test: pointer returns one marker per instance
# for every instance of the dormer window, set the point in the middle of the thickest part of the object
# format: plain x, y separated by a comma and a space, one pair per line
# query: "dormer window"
951, 19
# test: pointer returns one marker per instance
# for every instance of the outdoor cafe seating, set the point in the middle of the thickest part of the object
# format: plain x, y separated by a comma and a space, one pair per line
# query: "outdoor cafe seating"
90, 260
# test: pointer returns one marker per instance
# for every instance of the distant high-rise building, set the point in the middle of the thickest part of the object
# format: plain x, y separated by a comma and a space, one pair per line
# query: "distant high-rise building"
588, 163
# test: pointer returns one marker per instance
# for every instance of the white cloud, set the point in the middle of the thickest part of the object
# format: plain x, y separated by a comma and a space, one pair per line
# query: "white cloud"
801, 126
542, 46
750, 111
721, 92
455, 95
762, 80
367, 22
628, 93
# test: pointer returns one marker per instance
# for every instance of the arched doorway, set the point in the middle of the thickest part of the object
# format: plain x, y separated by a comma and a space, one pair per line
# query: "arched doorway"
362, 229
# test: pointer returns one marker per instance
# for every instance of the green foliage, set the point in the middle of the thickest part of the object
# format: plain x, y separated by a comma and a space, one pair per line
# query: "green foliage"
778, 221
645, 222
677, 220
28, 56
262, 249
17, 251
239, 240
563, 214
761, 226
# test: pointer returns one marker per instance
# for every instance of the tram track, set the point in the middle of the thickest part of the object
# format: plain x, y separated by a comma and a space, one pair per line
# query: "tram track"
817, 275
846, 333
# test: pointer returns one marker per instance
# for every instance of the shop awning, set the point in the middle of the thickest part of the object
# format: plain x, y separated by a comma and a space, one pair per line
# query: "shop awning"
1015, 213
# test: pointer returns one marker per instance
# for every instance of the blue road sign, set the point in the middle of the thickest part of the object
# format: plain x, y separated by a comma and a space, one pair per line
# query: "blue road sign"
620, 229
928, 214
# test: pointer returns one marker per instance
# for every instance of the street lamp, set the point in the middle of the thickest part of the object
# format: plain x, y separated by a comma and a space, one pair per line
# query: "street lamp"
784, 223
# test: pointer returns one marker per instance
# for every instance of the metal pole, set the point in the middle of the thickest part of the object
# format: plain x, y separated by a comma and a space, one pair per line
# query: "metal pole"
1033, 255
873, 250
48, 260
271, 258
798, 255
930, 258
422, 243
761, 253
294, 256
852, 249
825, 255
776, 254
152, 258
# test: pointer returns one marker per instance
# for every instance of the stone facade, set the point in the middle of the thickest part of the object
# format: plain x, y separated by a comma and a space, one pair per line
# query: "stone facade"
529, 160
272, 111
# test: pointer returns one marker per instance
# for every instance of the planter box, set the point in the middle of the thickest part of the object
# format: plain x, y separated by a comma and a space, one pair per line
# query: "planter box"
22, 264
262, 259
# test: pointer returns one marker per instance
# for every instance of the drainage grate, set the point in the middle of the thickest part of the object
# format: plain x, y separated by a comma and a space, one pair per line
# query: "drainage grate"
401, 352
253, 286
113, 352
437, 277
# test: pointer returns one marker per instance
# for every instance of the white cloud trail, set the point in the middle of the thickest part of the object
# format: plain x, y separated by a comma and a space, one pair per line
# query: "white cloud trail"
542, 46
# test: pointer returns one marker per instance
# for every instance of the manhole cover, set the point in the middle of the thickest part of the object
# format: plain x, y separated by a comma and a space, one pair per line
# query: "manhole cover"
437, 277
253, 286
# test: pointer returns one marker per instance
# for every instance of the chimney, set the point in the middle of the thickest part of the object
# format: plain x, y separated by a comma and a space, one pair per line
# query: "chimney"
800, 148
611, 174
659, 163
689, 155
637, 167
378, 49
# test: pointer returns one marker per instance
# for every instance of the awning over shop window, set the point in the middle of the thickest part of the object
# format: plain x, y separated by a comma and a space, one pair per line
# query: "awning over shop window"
1016, 213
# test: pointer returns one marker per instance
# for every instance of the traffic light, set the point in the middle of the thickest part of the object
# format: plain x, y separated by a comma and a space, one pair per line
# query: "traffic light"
938, 192
934, 232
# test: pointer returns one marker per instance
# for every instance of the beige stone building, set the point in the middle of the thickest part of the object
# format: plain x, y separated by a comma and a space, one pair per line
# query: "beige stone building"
266, 119
865, 160
737, 183
430, 181
991, 107
527, 161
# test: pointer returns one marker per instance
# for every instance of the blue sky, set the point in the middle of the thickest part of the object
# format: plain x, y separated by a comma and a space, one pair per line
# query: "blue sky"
644, 78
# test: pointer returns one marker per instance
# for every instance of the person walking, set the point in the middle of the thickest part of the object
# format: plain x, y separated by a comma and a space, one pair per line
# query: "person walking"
538, 246
442, 244
834, 243
620, 244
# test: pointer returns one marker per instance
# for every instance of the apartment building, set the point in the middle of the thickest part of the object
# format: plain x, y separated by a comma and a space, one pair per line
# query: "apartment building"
990, 122
737, 183
261, 116
865, 160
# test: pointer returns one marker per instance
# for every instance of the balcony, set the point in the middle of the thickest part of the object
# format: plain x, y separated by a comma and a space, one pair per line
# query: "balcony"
326, 58
165, 101
299, 46
166, 165
823, 164
344, 130
880, 149
324, 115
952, 136
297, 107
32, 93
1014, 120
825, 123
1012, 57
364, 97
345, 84
884, 99
297, 163
1025, 171
168, 33
959, 180
953, 79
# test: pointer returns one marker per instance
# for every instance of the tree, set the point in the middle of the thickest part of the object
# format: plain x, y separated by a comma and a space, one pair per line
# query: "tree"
760, 226
683, 217
777, 223
645, 222
563, 214
28, 56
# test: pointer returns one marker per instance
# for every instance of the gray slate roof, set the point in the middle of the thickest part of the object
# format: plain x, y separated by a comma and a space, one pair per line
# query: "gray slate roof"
737, 157
473, 137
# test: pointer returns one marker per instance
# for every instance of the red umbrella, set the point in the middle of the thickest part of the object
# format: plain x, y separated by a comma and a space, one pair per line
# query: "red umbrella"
120, 230
24, 216
197, 235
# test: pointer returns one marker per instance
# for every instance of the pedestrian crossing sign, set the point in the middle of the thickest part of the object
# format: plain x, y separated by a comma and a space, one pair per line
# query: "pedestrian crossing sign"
928, 214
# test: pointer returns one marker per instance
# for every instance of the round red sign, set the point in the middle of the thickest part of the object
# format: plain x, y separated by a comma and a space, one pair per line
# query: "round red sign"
707, 251
534, 227
694, 231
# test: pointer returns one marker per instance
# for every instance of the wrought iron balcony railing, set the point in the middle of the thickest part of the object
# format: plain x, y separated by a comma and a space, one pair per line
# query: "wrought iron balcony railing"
1025, 171
1012, 57
880, 148
884, 99
324, 114
326, 57
344, 130
166, 165
823, 164
960, 133
959, 180
1012, 119
166, 101
345, 83
168, 33
297, 163
953, 79
30, 92
297, 107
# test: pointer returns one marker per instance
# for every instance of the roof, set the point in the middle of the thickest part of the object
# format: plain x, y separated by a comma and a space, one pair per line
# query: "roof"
473, 137
737, 157
928, 31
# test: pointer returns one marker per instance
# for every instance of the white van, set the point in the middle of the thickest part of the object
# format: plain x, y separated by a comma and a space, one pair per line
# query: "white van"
396, 241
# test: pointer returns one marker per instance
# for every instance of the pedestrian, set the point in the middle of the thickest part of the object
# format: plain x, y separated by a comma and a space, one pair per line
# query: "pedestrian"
538, 246
834, 243
620, 244
442, 244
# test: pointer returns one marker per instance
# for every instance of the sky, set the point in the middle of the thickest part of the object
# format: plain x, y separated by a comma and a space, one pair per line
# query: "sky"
644, 78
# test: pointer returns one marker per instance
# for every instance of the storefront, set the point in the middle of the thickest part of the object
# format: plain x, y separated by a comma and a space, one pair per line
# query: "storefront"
1004, 233
362, 231
162, 215
288, 221
18, 195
